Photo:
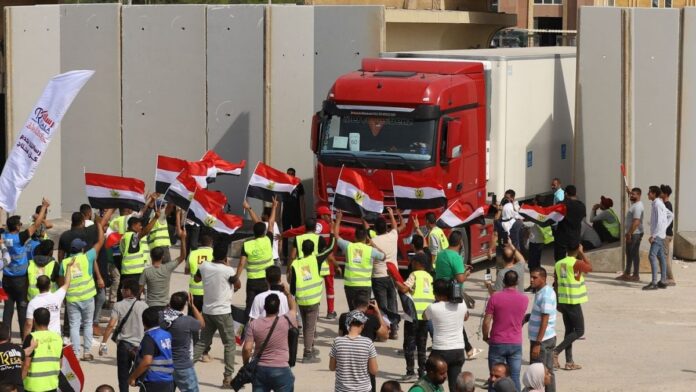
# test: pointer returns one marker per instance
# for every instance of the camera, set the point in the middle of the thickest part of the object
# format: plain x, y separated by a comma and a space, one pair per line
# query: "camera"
455, 291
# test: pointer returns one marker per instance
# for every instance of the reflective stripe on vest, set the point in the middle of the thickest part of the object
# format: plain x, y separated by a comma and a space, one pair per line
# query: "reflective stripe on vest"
196, 258
308, 283
162, 367
570, 290
45, 365
81, 281
422, 292
259, 253
132, 262
33, 273
612, 227
159, 235
358, 265
325, 269
305, 237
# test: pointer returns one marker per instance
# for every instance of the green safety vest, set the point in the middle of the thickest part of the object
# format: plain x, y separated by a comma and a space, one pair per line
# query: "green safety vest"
119, 225
422, 292
259, 253
440, 235
81, 281
308, 282
45, 365
159, 235
132, 262
546, 234
612, 227
307, 237
570, 290
358, 265
33, 273
196, 258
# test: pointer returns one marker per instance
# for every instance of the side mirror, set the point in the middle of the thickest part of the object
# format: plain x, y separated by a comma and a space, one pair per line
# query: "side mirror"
454, 139
314, 140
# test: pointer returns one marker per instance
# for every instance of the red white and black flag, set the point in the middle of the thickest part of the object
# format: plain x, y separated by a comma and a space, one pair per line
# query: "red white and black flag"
543, 216
71, 378
459, 214
219, 166
416, 193
206, 210
181, 190
267, 182
104, 191
169, 168
356, 194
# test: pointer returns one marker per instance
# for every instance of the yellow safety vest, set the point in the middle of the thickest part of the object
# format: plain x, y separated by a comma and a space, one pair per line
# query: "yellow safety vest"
45, 365
612, 227
546, 234
33, 273
358, 265
196, 258
308, 283
159, 235
422, 292
259, 253
132, 262
307, 237
119, 225
325, 269
81, 282
570, 290
437, 232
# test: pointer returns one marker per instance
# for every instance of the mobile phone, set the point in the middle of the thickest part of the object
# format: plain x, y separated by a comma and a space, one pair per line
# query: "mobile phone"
487, 277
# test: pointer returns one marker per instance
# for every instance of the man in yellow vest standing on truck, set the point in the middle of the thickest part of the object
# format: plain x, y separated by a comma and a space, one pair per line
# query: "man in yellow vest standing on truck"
257, 255
134, 249
357, 278
605, 222
307, 285
437, 240
569, 282
43, 350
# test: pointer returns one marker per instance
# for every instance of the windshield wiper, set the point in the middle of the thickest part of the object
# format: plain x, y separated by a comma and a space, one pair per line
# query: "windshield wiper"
357, 160
404, 160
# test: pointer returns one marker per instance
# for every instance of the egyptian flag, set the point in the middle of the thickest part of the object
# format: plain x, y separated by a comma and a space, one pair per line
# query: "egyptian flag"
219, 166
104, 191
206, 210
181, 190
267, 182
458, 214
543, 216
417, 193
239, 320
356, 194
169, 168
71, 378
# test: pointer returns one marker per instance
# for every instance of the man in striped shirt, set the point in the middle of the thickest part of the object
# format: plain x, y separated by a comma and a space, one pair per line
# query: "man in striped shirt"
353, 357
542, 323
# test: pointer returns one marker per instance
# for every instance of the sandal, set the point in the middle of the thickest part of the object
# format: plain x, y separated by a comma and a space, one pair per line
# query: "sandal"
572, 366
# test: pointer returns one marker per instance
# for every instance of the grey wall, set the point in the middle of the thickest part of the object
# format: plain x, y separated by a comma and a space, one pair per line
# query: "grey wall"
686, 217
90, 39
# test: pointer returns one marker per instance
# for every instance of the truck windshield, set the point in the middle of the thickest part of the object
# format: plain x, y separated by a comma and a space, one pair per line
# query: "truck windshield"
380, 141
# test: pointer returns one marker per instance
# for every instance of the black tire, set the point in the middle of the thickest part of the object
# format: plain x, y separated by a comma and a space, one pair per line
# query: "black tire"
465, 245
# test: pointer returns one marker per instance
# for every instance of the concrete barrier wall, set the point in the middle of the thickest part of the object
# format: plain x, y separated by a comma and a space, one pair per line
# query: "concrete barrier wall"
91, 130
685, 215
33, 58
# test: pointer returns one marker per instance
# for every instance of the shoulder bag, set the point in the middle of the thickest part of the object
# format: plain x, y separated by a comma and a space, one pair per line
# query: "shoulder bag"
119, 328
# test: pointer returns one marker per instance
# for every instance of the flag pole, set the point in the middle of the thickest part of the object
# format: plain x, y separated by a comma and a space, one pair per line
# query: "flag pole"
249, 183
396, 206
336, 187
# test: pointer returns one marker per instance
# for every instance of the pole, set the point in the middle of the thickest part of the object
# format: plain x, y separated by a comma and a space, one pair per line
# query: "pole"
336, 189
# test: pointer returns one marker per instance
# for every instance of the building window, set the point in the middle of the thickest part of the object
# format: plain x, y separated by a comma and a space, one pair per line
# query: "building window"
611, 3
549, 2
668, 3
656, 3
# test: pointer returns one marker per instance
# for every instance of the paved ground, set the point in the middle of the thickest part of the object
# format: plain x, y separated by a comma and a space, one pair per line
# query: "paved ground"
635, 340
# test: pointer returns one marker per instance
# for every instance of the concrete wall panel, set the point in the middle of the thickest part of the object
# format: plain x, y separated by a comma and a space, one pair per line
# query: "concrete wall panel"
91, 39
655, 60
686, 217
33, 58
164, 84
598, 114
235, 80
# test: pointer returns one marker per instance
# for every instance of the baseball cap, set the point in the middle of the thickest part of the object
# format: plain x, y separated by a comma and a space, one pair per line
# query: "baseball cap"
77, 245
323, 210
355, 315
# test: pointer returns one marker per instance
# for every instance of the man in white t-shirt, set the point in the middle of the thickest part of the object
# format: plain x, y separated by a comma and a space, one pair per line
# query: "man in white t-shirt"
47, 299
275, 286
382, 285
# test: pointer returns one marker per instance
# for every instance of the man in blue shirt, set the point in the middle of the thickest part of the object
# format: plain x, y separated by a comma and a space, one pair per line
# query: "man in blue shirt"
558, 193
542, 323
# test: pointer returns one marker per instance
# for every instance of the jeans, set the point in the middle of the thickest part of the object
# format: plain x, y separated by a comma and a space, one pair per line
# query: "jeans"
81, 316
546, 357
223, 324
574, 323
16, 289
455, 360
633, 254
186, 380
309, 315
657, 251
353, 292
415, 337
125, 356
509, 354
253, 288
277, 379
198, 301
99, 301
535, 250
385, 295
157, 387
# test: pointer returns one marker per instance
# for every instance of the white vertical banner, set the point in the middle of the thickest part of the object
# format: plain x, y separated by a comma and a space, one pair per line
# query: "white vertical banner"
37, 132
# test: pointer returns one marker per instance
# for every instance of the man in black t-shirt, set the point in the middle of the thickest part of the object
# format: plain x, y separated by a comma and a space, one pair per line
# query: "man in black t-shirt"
13, 357
569, 229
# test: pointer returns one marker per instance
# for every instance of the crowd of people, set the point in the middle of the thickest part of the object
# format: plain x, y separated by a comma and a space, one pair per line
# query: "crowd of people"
121, 260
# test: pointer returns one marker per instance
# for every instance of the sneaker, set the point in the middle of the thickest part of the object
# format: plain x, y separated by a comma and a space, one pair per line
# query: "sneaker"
394, 335
315, 351
410, 376
88, 358
309, 358
634, 278
472, 353
623, 277
651, 286
206, 358
661, 285
226, 382
331, 316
